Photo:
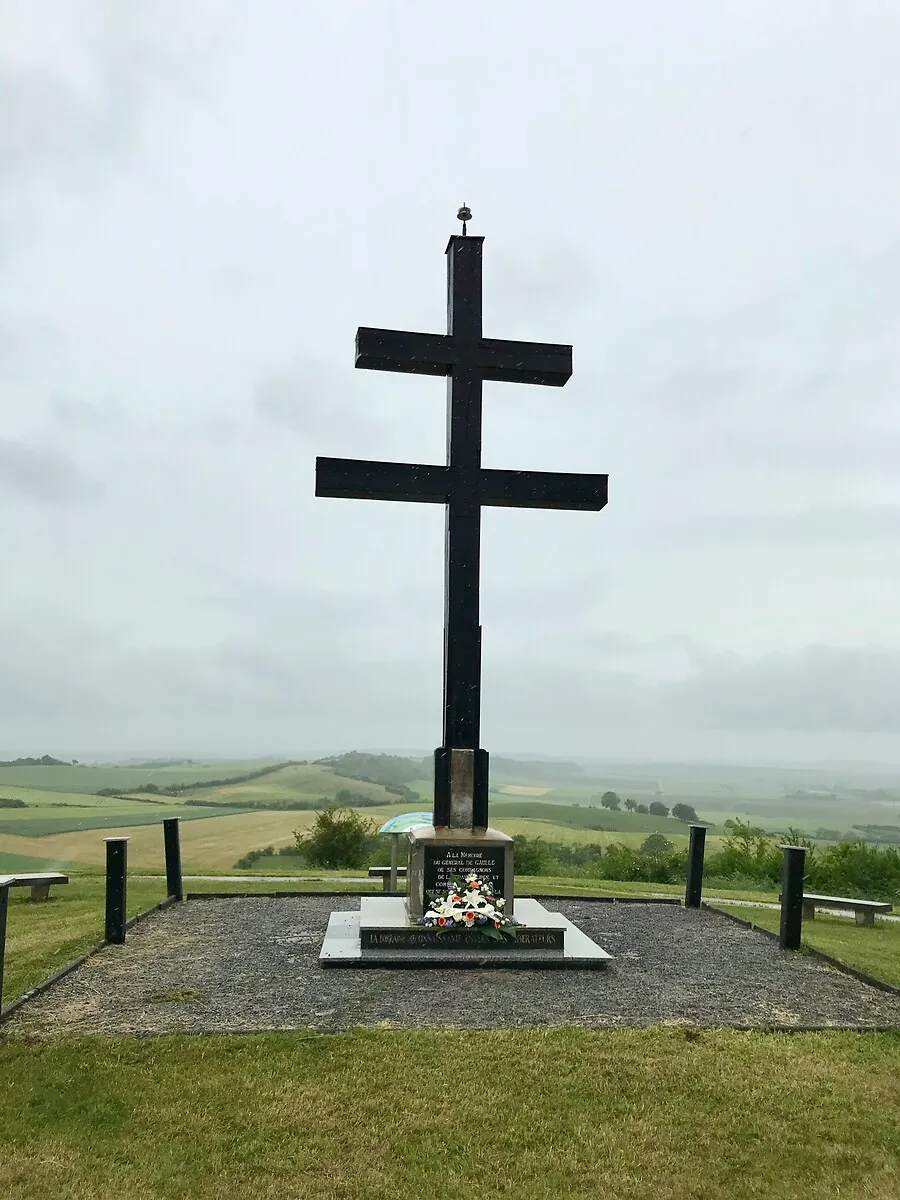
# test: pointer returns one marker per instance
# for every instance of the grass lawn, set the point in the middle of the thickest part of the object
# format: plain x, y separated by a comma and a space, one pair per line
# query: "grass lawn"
875, 949
535, 1115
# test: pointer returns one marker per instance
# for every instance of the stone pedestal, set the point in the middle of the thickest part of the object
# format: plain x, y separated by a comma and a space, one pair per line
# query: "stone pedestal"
381, 934
437, 855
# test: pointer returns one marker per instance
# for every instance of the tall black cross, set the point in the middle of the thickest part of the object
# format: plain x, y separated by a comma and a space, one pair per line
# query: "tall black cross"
463, 485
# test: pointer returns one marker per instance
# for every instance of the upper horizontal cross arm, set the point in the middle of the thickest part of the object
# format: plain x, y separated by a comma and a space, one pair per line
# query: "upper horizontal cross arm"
398, 350
525, 362
437, 354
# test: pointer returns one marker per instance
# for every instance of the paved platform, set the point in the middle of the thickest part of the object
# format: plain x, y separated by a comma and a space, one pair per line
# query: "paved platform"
239, 965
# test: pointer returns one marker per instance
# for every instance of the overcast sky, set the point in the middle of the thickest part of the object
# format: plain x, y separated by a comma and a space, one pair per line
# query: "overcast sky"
199, 204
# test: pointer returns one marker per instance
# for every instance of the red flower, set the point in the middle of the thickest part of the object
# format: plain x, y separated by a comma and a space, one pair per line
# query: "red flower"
442, 920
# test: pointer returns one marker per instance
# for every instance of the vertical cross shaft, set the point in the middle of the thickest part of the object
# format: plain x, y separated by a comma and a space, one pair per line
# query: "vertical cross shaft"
462, 538
460, 766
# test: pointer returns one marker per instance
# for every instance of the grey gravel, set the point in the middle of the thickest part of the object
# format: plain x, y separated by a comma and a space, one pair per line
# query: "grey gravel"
243, 964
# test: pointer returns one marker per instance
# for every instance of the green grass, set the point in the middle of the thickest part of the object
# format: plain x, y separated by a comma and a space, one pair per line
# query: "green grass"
12, 864
42, 937
524, 1114
875, 949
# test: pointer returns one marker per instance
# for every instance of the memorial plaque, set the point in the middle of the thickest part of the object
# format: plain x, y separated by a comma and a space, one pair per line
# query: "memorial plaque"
459, 939
447, 862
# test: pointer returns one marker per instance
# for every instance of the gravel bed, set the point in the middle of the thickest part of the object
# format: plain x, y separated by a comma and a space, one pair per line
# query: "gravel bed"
249, 964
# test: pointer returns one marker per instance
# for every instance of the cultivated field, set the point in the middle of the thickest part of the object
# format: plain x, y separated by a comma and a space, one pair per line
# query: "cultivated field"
60, 826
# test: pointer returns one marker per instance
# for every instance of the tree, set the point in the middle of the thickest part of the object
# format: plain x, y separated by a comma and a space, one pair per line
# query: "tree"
611, 801
642, 809
656, 846
684, 812
658, 809
630, 804
340, 837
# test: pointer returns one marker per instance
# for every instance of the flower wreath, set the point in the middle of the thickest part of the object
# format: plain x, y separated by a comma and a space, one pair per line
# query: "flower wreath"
470, 905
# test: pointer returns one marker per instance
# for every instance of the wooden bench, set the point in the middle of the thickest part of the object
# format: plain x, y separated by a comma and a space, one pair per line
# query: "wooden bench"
864, 910
39, 882
384, 874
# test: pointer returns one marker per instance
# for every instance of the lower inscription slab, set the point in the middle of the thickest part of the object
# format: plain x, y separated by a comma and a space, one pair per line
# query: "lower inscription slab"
381, 935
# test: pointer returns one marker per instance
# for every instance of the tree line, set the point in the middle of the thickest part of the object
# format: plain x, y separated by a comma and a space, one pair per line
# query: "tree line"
342, 837
613, 802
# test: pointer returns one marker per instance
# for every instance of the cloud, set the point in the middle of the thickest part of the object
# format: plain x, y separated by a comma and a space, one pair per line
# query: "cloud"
305, 401
850, 525
86, 92
818, 689
106, 414
42, 475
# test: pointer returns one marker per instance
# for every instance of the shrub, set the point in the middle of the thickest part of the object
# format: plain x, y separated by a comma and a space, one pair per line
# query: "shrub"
532, 856
9, 802
655, 845
252, 857
340, 837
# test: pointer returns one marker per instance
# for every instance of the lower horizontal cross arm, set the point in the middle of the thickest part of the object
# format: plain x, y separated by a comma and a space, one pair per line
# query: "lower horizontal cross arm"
544, 489
357, 479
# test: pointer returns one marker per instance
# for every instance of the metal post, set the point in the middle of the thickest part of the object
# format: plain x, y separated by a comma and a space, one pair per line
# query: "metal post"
694, 889
395, 854
4, 905
792, 896
172, 838
116, 874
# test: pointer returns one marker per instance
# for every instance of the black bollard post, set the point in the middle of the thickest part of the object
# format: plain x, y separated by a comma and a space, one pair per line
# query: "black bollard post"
172, 838
4, 905
792, 896
116, 874
694, 889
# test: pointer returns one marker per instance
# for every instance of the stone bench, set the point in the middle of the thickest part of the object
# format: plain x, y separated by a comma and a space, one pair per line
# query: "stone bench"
384, 874
38, 881
864, 910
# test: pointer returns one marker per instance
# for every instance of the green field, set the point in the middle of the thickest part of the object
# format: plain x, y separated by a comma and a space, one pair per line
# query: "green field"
300, 782
584, 818
113, 817
93, 778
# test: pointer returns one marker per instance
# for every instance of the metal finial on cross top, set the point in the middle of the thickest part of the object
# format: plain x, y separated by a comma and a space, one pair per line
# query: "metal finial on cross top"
464, 487
464, 215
